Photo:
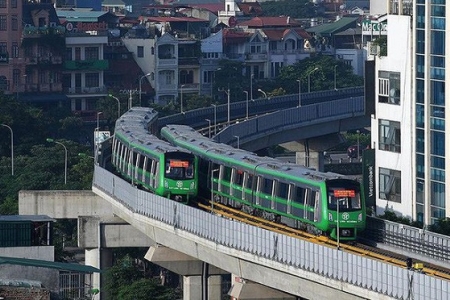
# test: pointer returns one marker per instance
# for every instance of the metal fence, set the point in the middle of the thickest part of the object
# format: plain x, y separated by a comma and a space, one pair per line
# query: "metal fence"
377, 276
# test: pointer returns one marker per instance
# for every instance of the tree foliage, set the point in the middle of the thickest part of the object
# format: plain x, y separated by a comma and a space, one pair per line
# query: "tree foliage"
293, 8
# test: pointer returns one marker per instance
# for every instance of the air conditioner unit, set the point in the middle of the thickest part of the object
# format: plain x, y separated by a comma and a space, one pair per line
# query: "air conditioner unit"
374, 49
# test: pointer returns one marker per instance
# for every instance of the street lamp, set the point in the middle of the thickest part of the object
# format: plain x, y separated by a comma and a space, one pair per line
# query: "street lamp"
246, 97
209, 127
98, 126
215, 118
335, 88
237, 137
140, 87
357, 143
251, 86
118, 105
12, 148
264, 93
181, 98
228, 103
309, 79
299, 92
65, 157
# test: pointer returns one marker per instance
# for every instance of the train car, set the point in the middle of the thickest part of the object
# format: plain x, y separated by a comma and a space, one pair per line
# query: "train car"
149, 162
300, 197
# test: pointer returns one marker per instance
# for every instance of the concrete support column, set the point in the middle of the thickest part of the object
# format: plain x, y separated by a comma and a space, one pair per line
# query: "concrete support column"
101, 259
311, 159
192, 288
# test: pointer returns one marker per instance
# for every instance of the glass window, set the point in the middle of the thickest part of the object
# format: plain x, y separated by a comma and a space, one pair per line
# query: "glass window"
15, 50
14, 23
140, 51
92, 80
2, 3
437, 39
14, 3
420, 166
389, 136
3, 23
389, 87
91, 53
438, 194
420, 66
390, 185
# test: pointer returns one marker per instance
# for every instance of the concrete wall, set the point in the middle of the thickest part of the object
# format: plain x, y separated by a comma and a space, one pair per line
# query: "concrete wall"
62, 204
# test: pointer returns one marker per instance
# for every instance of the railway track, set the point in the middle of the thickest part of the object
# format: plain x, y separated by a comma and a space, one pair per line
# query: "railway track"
354, 247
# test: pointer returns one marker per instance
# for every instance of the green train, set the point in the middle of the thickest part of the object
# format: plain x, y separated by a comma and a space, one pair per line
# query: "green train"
149, 162
300, 197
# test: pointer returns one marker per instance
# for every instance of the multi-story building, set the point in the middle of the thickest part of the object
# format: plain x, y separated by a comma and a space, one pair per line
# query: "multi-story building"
409, 128
11, 66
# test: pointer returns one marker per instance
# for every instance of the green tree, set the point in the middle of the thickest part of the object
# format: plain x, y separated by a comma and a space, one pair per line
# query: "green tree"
292, 8
145, 288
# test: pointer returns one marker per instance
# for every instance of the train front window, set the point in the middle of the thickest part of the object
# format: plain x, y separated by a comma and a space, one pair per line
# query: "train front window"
347, 199
179, 169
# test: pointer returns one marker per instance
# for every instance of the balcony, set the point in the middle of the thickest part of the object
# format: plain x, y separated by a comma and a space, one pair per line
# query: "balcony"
188, 61
4, 58
189, 87
86, 90
167, 61
86, 65
42, 87
256, 56
37, 32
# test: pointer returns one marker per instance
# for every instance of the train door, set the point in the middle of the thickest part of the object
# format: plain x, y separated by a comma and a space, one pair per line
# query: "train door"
137, 165
114, 152
311, 204
290, 197
282, 196
152, 173
145, 173
248, 187
130, 162
237, 179
157, 174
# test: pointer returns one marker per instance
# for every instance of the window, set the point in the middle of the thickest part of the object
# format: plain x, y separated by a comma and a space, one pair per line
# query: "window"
14, 23
14, 3
3, 23
91, 53
2, 3
388, 87
3, 47
16, 78
140, 51
389, 136
68, 53
92, 80
15, 50
390, 185
77, 53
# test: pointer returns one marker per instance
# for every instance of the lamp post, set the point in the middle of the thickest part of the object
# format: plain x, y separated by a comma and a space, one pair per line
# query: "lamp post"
227, 91
209, 127
215, 118
181, 98
299, 92
237, 137
309, 79
65, 157
335, 87
118, 105
264, 93
140, 87
98, 126
246, 97
357, 143
251, 86
12, 148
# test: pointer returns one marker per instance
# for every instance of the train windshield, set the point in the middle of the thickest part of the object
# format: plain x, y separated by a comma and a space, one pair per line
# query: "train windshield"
179, 168
348, 199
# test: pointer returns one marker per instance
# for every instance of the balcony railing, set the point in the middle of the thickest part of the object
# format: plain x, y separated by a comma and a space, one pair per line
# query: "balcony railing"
86, 65
86, 90
189, 86
42, 87
34, 32
188, 61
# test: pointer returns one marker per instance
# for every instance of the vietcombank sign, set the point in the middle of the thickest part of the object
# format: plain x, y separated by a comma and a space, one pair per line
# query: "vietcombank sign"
369, 176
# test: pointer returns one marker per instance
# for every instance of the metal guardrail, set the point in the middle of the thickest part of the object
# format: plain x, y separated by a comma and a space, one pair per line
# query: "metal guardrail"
196, 118
377, 276
409, 240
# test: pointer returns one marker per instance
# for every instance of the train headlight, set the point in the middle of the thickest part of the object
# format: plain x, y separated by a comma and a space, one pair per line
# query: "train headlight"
192, 186
346, 232
360, 217
166, 184
330, 217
